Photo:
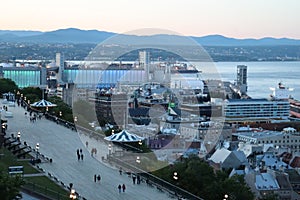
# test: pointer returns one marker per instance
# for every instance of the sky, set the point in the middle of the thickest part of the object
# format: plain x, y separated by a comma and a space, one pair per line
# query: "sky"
231, 18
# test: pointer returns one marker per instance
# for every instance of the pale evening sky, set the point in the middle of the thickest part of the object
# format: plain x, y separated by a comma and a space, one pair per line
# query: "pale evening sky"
231, 18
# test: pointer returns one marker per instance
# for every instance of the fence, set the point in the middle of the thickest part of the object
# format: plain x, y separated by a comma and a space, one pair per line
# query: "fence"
44, 192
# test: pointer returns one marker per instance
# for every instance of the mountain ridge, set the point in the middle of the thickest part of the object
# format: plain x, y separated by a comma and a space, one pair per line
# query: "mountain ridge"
75, 35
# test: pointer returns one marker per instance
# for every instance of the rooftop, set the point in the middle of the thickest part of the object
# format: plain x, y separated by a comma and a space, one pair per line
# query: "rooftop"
266, 181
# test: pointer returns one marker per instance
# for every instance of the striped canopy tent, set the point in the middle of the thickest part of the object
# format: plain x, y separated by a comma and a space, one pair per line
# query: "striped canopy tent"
43, 104
124, 136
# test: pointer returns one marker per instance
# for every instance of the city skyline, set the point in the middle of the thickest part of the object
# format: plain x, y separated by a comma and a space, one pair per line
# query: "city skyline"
231, 18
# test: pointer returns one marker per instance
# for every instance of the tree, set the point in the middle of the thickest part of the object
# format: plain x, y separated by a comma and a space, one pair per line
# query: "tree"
196, 176
10, 186
7, 85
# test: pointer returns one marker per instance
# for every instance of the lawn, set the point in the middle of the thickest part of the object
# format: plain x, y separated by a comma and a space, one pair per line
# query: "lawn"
39, 184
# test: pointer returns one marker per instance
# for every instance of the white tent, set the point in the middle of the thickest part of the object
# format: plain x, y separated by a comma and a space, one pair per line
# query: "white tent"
124, 136
43, 103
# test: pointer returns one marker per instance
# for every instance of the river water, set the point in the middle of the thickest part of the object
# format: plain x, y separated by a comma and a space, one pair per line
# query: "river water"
261, 75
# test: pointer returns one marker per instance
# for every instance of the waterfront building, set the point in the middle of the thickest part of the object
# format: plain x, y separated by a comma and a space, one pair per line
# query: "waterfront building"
25, 76
144, 63
60, 63
256, 110
241, 79
295, 109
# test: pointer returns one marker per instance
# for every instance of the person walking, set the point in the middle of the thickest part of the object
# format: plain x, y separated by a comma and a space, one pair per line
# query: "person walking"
123, 187
81, 156
119, 187
99, 178
138, 179
133, 178
78, 155
120, 170
95, 178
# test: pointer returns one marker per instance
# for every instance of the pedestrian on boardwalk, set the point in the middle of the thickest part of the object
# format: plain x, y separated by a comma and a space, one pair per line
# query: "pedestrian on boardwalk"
80, 150
138, 179
133, 178
95, 178
78, 155
120, 170
119, 187
99, 178
81, 156
87, 144
123, 187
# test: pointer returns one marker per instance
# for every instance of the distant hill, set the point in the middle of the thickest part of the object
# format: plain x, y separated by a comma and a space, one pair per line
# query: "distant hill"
73, 35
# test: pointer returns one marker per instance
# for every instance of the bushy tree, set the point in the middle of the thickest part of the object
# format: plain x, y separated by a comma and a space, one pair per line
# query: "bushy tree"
10, 186
197, 177
7, 85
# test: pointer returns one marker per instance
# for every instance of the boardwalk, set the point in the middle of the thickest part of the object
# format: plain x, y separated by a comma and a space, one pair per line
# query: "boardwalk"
60, 144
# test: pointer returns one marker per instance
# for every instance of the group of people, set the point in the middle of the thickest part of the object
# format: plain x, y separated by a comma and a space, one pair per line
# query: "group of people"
97, 178
79, 154
120, 188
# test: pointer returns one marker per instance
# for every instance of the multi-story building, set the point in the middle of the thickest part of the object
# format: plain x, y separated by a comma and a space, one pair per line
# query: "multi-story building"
288, 138
112, 108
242, 78
256, 110
25, 76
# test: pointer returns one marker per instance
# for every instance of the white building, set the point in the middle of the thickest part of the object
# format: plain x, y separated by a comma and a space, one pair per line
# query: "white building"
256, 110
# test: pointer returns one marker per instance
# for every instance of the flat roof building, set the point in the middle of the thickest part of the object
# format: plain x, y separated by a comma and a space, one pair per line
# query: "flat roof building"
256, 110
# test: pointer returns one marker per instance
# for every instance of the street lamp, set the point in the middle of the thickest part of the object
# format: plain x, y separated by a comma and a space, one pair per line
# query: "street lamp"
73, 194
75, 119
138, 160
60, 113
109, 149
175, 176
19, 136
37, 147
225, 197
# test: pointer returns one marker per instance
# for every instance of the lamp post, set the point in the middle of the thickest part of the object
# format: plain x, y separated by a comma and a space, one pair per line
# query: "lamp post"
73, 194
60, 113
225, 197
37, 147
138, 160
175, 176
19, 136
75, 119
109, 149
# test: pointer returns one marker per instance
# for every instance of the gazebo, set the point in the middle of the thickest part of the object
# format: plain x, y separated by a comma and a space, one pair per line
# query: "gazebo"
43, 104
124, 136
